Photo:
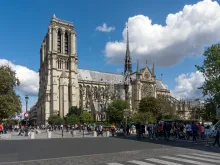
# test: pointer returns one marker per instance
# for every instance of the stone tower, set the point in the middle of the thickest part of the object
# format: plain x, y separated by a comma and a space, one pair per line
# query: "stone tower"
58, 70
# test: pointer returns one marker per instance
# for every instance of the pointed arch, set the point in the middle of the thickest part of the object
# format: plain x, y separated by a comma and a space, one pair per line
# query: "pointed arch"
59, 41
66, 43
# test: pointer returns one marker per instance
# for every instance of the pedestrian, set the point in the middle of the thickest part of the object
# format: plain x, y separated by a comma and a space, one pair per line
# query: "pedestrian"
202, 131
217, 137
100, 130
1, 128
194, 130
113, 129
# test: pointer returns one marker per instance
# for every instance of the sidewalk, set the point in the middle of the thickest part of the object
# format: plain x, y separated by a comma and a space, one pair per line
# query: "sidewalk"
54, 134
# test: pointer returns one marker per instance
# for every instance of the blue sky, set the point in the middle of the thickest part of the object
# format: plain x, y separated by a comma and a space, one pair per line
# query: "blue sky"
24, 24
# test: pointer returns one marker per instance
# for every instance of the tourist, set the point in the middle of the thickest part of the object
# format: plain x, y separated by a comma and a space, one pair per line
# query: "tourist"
217, 137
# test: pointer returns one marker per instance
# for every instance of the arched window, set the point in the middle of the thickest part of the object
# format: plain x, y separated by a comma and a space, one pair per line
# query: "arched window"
80, 96
66, 43
95, 93
67, 65
87, 91
59, 42
103, 93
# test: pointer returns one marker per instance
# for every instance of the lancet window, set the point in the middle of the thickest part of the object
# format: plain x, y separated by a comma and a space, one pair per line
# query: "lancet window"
58, 41
66, 43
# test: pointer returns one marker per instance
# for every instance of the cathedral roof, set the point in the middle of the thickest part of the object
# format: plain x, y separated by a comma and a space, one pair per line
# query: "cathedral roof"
90, 75
161, 85
112, 78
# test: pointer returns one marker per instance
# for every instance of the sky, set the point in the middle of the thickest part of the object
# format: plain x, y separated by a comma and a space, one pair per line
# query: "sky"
173, 34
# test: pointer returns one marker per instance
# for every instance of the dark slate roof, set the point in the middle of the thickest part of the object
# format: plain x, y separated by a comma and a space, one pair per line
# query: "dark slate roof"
112, 78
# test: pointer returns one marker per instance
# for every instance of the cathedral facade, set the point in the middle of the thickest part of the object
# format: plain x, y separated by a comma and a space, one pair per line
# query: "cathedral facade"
62, 84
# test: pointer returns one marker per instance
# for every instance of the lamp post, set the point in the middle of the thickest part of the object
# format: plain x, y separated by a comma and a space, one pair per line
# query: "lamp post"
26, 100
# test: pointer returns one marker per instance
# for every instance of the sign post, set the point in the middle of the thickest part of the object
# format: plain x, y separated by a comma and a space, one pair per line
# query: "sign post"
26, 115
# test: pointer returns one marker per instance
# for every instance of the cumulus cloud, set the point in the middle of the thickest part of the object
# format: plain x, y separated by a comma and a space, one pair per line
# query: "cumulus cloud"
29, 79
187, 86
105, 28
184, 34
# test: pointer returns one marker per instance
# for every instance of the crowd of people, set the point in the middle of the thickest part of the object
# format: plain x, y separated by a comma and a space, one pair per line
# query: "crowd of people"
169, 131
166, 130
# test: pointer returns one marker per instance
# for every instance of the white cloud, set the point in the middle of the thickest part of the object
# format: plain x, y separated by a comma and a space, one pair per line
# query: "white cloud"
187, 86
185, 34
29, 79
105, 28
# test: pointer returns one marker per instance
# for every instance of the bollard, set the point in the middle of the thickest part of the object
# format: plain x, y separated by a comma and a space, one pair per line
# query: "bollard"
32, 135
49, 134
94, 134
107, 133
74, 133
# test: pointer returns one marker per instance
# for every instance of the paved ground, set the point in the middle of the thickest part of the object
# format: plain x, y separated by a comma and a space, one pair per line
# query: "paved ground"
54, 134
85, 151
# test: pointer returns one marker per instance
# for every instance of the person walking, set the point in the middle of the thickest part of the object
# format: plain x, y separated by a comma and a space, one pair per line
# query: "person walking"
1, 128
194, 131
217, 137
113, 129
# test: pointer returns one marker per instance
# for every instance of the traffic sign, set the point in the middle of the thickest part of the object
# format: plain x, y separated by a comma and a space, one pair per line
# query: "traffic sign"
26, 115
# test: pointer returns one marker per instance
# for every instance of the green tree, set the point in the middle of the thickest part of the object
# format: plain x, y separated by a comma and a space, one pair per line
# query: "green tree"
211, 71
149, 104
160, 106
208, 112
72, 119
211, 87
116, 110
166, 110
9, 101
86, 117
144, 117
55, 120
74, 110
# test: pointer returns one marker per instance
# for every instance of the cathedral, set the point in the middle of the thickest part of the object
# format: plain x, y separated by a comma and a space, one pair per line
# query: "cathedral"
62, 84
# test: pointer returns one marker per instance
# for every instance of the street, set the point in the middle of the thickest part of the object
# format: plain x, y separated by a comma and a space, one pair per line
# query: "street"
85, 151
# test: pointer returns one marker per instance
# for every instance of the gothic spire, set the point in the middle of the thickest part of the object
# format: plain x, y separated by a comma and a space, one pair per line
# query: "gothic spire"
128, 65
138, 68
153, 70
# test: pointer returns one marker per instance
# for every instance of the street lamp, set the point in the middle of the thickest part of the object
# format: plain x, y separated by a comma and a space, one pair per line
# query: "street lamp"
26, 100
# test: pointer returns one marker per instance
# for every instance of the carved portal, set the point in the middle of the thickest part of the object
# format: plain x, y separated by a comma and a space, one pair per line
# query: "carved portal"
146, 90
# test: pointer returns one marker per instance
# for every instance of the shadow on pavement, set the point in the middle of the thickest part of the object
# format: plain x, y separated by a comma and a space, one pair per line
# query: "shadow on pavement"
200, 145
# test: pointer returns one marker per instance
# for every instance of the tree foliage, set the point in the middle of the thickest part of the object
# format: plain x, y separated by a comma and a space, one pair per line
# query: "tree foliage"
72, 119
55, 120
144, 117
211, 72
149, 104
166, 110
208, 112
9, 100
86, 117
211, 87
160, 106
74, 110
116, 110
